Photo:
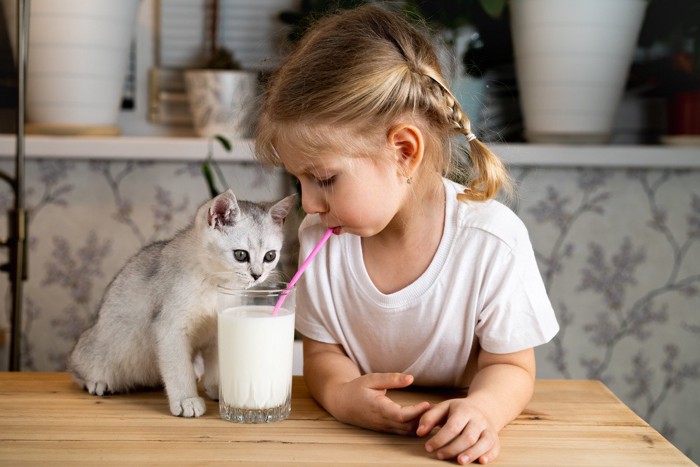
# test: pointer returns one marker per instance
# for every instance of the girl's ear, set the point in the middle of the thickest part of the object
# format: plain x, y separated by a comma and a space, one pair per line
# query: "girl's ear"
407, 143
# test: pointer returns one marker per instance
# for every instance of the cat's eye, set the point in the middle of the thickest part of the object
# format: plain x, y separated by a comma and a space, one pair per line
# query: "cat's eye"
270, 256
240, 255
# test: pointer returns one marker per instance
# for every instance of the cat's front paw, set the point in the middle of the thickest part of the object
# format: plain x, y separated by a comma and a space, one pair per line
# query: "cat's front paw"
97, 388
189, 407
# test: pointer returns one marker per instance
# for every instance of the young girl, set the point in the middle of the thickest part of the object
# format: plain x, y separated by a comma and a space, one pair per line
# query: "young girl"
426, 282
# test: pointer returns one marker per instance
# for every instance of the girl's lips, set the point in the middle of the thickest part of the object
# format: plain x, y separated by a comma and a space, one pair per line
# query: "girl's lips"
336, 230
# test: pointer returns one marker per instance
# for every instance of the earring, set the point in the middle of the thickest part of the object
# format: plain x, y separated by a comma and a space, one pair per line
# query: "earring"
409, 179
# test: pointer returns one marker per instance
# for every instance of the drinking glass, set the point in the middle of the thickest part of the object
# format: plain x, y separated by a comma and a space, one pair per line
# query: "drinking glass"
255, 353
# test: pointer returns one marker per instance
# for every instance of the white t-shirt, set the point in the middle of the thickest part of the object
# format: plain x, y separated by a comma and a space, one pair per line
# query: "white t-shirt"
481, 288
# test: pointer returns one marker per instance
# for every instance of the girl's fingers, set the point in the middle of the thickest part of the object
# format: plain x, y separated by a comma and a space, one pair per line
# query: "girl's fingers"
394, 412
397, 419
482, 450
470, 435
490, 455
454, 427
405, 429
410, 413
431, 419
383, 381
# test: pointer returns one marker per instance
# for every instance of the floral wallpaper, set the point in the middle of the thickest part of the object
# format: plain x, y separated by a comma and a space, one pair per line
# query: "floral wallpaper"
619, 252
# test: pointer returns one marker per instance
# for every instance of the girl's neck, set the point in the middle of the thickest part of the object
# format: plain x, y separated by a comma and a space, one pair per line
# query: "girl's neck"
423, 212
402, 252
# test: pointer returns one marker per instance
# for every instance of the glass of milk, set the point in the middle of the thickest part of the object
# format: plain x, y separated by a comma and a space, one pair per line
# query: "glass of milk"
255, 353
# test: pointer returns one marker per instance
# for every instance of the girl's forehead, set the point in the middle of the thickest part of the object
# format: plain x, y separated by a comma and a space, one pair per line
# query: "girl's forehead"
303, 163
313, 146
305, 137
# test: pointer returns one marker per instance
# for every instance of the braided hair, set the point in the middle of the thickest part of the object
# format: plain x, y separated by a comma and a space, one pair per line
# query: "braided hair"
366, 69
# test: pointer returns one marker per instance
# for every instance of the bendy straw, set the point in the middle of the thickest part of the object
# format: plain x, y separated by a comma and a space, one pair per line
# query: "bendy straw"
301, 270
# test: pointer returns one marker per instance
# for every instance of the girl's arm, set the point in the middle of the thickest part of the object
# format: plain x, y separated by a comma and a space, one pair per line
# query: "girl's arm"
500, 390
503, 384
336, 383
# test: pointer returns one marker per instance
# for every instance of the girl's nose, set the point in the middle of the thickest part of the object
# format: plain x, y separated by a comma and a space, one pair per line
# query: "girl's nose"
312, 200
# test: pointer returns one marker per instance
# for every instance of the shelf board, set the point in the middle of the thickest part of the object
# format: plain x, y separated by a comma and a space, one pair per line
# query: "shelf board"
126, 148
195, 149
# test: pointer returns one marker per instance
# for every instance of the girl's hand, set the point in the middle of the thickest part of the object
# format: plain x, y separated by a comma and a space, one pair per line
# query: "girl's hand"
465, 433
363, 402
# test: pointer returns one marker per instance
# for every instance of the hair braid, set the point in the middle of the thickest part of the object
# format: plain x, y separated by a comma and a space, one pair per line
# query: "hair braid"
488, 175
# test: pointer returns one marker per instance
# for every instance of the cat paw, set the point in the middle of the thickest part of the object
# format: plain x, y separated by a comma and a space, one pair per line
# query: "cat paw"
189, 407
212, 391
97, 388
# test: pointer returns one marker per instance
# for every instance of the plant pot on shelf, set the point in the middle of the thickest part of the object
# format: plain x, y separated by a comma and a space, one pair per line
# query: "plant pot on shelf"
572, 58
77, 62
222, 102
684, 115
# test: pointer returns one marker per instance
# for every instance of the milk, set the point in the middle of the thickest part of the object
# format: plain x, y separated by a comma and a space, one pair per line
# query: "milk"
255, 360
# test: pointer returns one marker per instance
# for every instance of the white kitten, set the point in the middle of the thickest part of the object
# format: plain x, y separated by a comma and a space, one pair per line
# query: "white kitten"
159, 312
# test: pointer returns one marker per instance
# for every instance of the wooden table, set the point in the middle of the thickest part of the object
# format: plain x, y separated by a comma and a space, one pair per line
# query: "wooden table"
46, 419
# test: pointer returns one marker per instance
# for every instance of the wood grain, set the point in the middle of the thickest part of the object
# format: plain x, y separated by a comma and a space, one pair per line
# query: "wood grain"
71, 130
46, 419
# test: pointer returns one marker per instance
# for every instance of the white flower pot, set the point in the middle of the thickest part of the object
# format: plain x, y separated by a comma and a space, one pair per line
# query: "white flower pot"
222, 102
572, 58
77, 61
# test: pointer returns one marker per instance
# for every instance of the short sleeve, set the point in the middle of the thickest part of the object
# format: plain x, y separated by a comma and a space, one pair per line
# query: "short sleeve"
517, 313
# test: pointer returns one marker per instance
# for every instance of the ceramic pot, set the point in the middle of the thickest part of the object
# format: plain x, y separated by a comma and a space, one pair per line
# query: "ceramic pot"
572, 58
222, 102
77, 60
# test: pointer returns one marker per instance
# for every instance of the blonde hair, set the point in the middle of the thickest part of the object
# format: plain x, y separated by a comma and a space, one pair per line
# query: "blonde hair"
366, 69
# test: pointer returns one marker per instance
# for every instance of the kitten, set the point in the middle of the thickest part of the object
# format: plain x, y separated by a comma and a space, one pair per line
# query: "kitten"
158, 313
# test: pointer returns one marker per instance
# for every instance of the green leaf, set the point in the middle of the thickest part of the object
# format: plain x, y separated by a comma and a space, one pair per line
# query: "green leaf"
209, 178
494, 8
224, 142
220, 174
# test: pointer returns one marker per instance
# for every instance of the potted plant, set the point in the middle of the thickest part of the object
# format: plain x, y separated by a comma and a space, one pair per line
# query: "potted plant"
668, 66
78, 56
221, 95
572, 60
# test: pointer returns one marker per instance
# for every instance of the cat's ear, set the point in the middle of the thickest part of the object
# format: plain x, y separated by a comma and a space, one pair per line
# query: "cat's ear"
280, 209
223, 210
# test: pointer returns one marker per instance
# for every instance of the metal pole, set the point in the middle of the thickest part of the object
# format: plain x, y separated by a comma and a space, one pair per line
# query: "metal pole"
18, 224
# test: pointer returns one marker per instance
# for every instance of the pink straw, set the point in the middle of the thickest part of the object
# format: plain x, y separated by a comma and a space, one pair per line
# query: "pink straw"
301, 270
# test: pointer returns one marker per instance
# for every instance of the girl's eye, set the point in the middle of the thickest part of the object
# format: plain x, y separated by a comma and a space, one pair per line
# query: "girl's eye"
240, 255
270, 256
326, 181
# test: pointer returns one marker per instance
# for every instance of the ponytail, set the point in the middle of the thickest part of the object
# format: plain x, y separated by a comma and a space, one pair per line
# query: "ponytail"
487, 175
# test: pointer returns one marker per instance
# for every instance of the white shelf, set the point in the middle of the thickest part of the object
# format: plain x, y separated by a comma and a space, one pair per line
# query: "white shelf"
125, 148
658, 156
195, 149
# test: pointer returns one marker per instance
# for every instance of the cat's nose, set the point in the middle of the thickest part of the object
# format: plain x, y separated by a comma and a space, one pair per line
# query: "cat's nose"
255, 276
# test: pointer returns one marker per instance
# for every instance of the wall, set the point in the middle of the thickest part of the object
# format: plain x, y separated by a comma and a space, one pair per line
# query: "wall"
86, 218
619, 251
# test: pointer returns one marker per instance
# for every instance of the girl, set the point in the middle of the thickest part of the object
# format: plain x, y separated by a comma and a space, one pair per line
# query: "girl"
427, 282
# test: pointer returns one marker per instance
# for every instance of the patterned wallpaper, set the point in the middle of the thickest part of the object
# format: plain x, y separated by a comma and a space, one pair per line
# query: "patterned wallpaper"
619, 251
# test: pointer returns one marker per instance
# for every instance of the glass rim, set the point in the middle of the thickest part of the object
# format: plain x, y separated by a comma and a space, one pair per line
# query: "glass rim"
260, 289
